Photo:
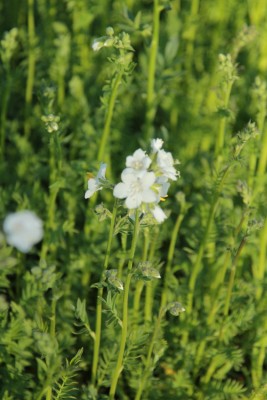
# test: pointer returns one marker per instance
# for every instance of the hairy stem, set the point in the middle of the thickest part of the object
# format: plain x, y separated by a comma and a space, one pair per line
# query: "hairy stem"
119, 365
175, 232
99, 298
150, 100
31, 65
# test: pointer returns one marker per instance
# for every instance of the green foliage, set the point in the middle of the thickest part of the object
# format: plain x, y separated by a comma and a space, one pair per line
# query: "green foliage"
75, 92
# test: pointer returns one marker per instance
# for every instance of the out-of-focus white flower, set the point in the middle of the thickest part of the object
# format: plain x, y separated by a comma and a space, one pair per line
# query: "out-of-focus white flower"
158, 214
156, 145
136, 188
97, 45
23, 229
94, 184
162, 185
166, 165
139, 161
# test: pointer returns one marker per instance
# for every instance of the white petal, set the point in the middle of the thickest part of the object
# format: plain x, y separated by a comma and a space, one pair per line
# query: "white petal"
133, 201
156, 145
148, 179
158, 214
102, 171
120, 190
129, 175
148, 196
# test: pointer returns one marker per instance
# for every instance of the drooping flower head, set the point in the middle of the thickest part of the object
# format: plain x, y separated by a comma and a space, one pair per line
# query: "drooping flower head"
94, 184
166, 165
156, 145
23, 229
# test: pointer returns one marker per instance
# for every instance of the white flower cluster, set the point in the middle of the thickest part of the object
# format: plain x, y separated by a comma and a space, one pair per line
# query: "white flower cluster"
145, 180
23, 229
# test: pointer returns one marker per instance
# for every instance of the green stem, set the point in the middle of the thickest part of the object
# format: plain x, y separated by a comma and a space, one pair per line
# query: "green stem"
53, 317
108, 119
100, 295
122, 260
191, 39
261, 261
140, 284
146, 372
49, 394
5, 98
263, 155
232, 276
175, 231
149, 285
150, 100
55, 165
104, 139
31, 65
221, 133
202, 247
119, 365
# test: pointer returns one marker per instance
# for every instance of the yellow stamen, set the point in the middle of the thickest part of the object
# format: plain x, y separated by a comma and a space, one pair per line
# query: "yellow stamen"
163, 198
89, 175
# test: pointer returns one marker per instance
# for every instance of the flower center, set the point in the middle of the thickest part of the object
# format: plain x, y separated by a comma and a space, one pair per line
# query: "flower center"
136, 186
138, 165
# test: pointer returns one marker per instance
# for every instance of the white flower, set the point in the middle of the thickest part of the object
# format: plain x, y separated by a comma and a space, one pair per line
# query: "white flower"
163, 187
136, 189
156, 145
97, 45
23, 229
94, 184
165, 163
158, 214
139, 161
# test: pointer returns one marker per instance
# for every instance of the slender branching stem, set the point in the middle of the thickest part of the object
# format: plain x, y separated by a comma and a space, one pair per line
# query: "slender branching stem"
105, 136
119, 364
193, 29
174, 236
202, 247
150, 100
140, 284
261, 261
149, 285
5, 98
55, 165
232, 276
31, 65
109, 114
146, 371
221, 132
99, 297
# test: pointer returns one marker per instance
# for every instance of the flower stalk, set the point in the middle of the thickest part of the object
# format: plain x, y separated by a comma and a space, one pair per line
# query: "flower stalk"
99, 297
119, 365
150, 100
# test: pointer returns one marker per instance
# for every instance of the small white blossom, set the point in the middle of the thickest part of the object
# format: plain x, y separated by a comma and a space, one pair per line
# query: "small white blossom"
139, 161
96, 46
158, 214
163, 187
156, 145
165, 163
136, 189
23, 229
94, 184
